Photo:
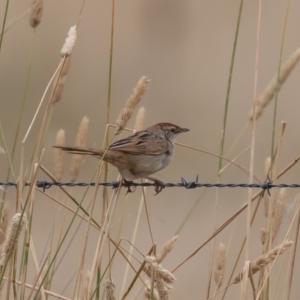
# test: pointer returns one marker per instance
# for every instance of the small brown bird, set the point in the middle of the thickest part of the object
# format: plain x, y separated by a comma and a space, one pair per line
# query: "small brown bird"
139, 155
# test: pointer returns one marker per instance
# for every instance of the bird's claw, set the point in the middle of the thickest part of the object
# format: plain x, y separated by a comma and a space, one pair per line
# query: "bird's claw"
159, 186
127, 184
129, 190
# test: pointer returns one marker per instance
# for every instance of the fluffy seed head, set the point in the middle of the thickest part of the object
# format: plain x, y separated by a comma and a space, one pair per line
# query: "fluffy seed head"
69, 42
265, 259
220, 264
36, 12
166, 275
131, 104
267, 95
110, 289
86, 285
279, 212
4, 221
80, 142
11, 239
139, 121
148, 293
166, 249
263, 235
60, 80
163, 291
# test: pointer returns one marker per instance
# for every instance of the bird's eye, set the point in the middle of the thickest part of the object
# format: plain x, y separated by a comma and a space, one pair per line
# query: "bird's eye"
173, 130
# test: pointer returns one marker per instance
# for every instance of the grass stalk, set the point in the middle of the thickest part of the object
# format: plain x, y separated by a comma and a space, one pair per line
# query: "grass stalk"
21, 113
110, 66
10, 164
134, 234
103, 236
27, 237
85, 240
229, 82
278, 81
3, 23
252, 153
59, 247
292, 258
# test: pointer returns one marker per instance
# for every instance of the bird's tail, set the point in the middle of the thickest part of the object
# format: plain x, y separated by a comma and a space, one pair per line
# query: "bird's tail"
82, 151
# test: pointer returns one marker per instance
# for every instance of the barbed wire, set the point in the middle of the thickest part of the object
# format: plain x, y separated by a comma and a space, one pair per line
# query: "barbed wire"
265, 186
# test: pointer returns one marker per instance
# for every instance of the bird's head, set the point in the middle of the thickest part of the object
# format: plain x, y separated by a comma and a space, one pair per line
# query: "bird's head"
171, 131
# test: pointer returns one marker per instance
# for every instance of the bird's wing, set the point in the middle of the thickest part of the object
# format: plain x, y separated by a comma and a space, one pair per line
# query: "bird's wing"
142, 142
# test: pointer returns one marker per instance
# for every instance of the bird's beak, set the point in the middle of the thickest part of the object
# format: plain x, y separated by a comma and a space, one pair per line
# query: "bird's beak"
183, 130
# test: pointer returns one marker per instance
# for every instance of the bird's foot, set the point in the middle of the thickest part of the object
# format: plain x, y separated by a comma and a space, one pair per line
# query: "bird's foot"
159, 185
127, 184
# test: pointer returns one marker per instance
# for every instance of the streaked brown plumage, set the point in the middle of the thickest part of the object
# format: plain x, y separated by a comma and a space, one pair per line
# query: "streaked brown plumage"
141, 154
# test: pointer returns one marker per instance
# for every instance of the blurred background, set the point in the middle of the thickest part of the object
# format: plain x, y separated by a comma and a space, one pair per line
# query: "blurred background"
185, 48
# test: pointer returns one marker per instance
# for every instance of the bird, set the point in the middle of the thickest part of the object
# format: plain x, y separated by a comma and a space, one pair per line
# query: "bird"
140, 154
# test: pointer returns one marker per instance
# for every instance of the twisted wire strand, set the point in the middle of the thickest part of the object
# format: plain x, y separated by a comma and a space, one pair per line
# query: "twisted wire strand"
265, 186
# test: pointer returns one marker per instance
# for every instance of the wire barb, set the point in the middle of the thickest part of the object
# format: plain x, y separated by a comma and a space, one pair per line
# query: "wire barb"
191, 184
266, 186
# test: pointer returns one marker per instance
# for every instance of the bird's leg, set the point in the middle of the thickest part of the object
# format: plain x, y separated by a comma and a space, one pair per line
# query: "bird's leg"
128, 184
159, 185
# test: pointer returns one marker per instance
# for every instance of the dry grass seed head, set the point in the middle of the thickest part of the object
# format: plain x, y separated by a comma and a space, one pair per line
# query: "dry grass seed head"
110, 289
139, 121
164, 274
220, 264
131, 104
279, 212
267, 95
69, 44
86, 285
59, 82
163, 291
12, 237
167, 248
267, 166
59, 155
147, 294
265, 259
263, 235
36, 12
163, 278
80, 142
4, 221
